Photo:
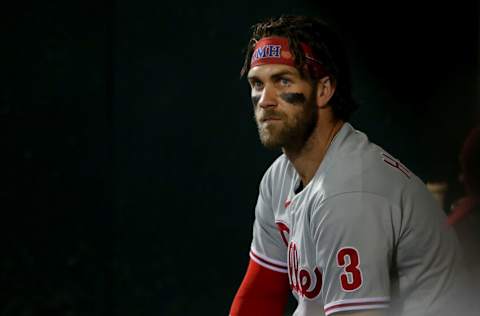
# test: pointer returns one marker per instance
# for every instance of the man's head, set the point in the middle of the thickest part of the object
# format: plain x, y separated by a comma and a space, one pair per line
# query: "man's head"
284, 106
316, 53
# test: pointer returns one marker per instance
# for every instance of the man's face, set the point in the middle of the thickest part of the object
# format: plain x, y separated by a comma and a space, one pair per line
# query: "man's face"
284, 106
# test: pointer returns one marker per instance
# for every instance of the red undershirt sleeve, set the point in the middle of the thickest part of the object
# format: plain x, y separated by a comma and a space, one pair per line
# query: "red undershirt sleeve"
262, 292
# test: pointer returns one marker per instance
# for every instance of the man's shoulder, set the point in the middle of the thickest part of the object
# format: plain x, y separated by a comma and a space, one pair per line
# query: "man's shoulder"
365, 167
276, 169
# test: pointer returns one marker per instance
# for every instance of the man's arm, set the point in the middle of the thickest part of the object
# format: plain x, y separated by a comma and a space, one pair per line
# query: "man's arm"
262, 292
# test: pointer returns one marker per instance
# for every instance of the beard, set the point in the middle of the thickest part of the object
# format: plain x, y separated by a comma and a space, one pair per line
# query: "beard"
290, 132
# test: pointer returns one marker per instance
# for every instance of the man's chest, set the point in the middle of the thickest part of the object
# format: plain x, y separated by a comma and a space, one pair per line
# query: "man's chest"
293, 224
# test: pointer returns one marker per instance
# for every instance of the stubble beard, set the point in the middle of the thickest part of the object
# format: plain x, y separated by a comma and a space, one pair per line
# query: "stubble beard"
290, 133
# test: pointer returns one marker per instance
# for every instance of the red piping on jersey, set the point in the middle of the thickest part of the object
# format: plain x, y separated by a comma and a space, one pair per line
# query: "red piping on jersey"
276, 265
355, 304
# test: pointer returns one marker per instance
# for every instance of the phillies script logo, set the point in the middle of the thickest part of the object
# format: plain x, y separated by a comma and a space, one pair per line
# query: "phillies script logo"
301, 280
284, 231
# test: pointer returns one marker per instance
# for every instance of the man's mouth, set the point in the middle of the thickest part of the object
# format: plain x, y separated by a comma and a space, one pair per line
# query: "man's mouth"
270, 118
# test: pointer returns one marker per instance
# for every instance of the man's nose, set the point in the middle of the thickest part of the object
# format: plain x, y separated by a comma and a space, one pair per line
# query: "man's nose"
268, 97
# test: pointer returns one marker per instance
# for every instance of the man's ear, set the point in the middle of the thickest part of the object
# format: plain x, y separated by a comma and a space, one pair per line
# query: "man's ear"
325, 91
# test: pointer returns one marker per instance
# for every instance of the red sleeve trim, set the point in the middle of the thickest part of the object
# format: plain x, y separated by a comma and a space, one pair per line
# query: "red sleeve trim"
356, 304
268, 263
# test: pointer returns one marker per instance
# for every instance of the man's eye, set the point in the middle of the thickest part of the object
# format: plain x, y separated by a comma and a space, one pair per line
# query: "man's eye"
257, 84
285, 81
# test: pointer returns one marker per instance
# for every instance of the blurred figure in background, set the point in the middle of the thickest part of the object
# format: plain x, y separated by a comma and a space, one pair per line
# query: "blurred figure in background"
439, 189
465, 214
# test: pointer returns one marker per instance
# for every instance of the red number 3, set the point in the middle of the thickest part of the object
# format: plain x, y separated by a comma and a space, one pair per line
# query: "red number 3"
351, 279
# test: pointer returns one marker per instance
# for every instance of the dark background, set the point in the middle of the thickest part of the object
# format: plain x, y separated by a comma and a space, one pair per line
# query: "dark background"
130, 158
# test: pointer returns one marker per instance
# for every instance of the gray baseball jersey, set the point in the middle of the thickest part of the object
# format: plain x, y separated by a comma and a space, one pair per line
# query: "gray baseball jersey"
365, 233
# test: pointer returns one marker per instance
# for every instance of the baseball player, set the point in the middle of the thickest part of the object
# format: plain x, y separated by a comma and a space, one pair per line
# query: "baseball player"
339, 222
